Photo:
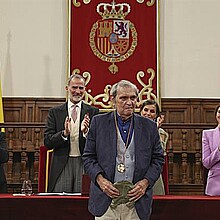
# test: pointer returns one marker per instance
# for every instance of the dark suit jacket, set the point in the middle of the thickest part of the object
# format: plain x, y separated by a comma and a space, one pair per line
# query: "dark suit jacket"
100, 157
3, 159
53, 139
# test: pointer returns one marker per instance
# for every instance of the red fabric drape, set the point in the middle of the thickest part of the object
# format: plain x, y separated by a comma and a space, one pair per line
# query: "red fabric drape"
43, 170
165, 176
143, 57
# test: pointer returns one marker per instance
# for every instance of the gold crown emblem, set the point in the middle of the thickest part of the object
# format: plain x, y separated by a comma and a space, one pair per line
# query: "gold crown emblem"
113, 10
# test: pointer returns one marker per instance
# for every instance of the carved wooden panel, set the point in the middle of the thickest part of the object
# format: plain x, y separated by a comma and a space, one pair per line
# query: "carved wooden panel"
184, 121
184, 145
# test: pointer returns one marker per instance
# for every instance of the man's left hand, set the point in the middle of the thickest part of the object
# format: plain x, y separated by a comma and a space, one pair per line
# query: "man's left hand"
85, 124
139, 190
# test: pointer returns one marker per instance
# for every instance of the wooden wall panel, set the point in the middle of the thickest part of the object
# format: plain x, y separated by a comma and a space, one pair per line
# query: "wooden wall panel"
43, 105
207, 112
182, 118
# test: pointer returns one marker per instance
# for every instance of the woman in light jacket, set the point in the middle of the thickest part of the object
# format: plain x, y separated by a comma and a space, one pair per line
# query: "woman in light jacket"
211, 157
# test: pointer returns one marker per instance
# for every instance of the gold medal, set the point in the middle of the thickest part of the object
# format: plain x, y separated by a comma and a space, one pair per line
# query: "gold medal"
121, 168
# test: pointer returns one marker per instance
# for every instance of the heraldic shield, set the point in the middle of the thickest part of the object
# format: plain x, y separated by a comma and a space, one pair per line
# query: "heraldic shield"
113, 39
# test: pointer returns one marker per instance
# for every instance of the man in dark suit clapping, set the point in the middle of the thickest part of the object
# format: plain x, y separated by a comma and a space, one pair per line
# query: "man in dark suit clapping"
65, 133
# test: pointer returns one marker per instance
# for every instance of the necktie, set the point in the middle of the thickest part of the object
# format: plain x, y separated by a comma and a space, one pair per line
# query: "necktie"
74, 113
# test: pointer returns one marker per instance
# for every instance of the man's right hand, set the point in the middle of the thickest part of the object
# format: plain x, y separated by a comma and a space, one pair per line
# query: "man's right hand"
107, 187
67, 129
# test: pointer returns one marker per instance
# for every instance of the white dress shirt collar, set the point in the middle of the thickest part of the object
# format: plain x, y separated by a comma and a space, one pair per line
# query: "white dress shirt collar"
70, 104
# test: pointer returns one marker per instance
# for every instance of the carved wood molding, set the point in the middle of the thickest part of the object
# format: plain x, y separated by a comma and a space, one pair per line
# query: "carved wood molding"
184, 121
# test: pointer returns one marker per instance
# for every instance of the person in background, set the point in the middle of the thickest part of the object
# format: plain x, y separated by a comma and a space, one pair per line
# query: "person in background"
211, 157
3, 159
150, 109
66, 129
123, 157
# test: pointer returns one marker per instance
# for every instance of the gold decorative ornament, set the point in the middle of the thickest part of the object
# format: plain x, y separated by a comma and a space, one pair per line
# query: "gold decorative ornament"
104, 99
147, 91
78, 4
113, 68
140, 1
149, 3
110, 36
86, 1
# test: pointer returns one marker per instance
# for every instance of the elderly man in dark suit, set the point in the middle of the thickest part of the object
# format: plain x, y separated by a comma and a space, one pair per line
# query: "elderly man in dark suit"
65, 132
3, 159
123, 156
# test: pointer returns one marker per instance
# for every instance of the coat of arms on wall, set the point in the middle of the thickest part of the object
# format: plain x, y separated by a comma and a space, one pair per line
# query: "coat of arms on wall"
112, 38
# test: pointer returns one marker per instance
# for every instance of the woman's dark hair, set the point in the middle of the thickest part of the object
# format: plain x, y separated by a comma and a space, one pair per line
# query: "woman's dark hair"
217, 109
151, 102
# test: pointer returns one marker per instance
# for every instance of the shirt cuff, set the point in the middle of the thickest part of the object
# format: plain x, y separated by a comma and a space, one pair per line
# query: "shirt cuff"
63, 137
86, 133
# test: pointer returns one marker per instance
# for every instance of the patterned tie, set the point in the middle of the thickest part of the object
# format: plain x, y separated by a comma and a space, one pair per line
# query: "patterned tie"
74, 113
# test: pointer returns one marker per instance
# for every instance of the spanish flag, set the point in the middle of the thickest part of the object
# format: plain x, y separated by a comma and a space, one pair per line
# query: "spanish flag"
1, 108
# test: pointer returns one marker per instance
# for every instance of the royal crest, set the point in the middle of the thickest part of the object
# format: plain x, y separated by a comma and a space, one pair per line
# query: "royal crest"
112, 38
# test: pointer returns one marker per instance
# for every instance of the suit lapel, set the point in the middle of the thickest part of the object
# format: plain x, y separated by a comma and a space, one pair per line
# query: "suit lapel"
112, 135
85, 108
62, 113
137, 139
216, 138
111, 142
137, 130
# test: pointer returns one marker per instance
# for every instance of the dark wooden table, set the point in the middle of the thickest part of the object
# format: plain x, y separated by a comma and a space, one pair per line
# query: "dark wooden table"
75, 207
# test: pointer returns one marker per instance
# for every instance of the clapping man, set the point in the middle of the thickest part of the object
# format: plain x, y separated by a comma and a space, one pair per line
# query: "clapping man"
65, 132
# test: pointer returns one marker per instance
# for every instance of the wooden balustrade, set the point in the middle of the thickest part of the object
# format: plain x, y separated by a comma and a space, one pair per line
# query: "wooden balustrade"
183, 150
24, 140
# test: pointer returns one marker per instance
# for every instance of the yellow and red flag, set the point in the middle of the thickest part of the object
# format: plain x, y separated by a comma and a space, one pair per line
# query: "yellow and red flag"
1, 108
